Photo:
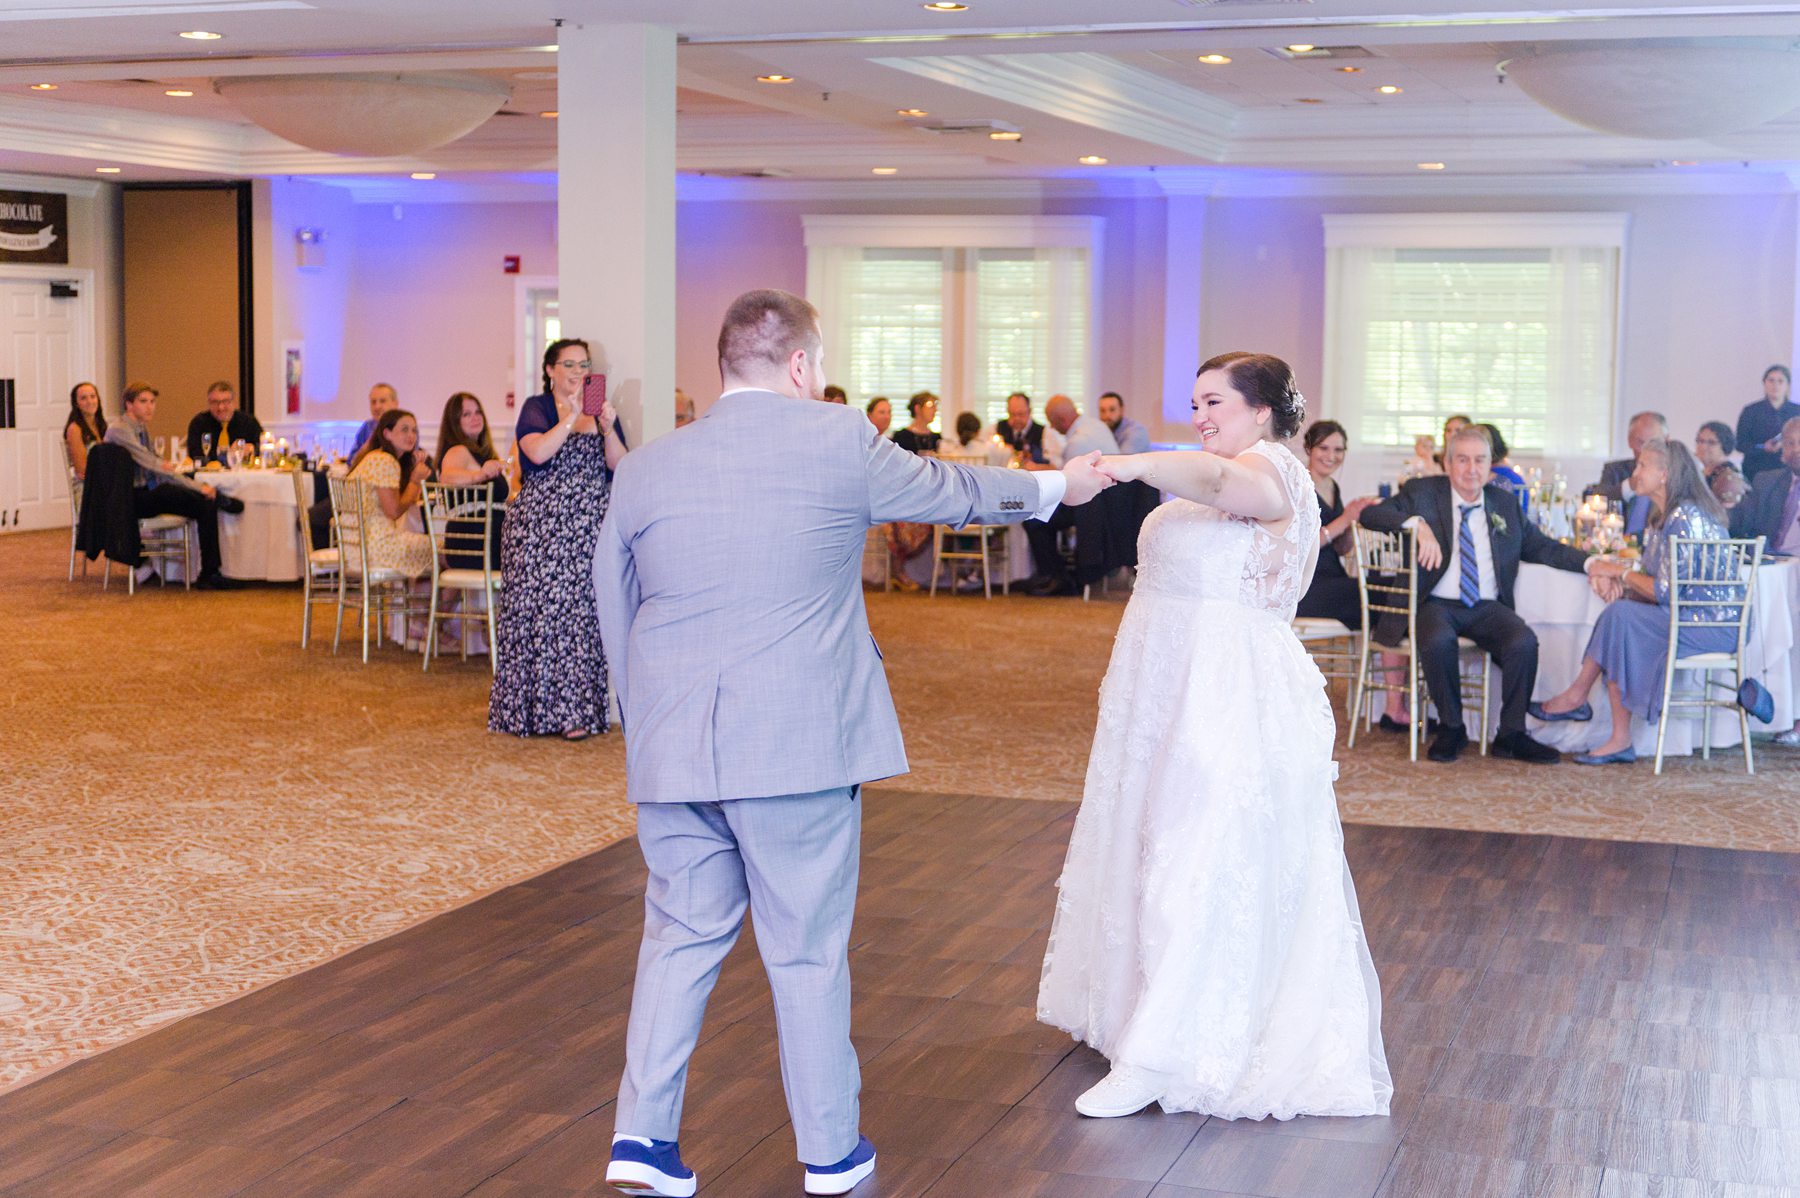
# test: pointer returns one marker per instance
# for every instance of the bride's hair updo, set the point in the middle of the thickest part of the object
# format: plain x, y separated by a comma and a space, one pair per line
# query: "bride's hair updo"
1264, 381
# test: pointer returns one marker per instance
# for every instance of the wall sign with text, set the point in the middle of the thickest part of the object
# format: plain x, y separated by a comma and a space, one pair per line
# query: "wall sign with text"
34, 227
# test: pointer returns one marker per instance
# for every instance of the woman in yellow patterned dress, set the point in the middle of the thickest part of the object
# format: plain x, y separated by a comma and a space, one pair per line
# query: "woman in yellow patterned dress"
395, 467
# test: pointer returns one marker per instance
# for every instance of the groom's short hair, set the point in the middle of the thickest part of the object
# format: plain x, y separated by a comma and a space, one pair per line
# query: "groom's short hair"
763, 328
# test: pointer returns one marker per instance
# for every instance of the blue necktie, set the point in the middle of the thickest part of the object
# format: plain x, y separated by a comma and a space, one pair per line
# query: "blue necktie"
1465, 553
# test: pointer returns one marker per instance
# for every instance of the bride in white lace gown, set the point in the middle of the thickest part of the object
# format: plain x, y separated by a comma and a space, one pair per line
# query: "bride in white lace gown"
1207, 937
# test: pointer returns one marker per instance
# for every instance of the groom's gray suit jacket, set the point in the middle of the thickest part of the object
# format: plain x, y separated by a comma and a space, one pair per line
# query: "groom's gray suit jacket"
729, 583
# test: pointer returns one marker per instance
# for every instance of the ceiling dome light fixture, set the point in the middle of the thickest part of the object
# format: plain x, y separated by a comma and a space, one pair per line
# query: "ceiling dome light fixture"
1662, 89
911, 112
366, 115
1005, 135
550, 115
884, 170
178, 92
107, 170
1301, 48
422, 175
774, 78
1388, 89
200, 35
1215, 60
1091, 160
1351, 70
43, 87
944, 6
1431, 166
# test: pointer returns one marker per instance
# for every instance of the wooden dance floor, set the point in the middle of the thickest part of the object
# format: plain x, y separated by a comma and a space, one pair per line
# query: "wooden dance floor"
1593, 1019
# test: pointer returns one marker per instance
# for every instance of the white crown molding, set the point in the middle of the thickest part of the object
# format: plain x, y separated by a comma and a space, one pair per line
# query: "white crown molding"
1218, 183
1094, 90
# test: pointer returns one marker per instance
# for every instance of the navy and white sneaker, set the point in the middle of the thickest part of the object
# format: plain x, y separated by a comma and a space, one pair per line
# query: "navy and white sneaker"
651, 1168
844, 1176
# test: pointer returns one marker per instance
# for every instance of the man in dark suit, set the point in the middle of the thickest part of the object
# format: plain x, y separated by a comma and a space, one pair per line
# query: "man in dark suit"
1471, 539
1644, 427
1019, 430
1772, 508
223, 421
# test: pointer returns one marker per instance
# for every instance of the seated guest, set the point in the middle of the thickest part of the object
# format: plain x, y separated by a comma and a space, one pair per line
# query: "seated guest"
1760, 423
1713, 446
835, 394
1471, 539
1644, 427
1131, 436
1629, 646
1080, 435
158, 492
1452, 426
1424, 461
684, 408
880, 413
1024, 435
1333, 595
224, 422
466, 457
382, 398
85, 426
917, 436
1504, 473
966, 441
394, 466
1772, 508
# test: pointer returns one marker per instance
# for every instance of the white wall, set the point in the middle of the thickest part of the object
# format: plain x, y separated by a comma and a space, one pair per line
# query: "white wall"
1709, 296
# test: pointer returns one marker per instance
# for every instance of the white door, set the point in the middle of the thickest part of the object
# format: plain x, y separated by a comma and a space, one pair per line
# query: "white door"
45, 349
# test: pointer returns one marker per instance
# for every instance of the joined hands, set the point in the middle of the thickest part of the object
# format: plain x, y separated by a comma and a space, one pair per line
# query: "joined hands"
1086, 476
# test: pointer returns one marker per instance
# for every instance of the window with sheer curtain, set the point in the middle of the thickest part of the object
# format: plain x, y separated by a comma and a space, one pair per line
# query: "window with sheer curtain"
969, 308
1510, 318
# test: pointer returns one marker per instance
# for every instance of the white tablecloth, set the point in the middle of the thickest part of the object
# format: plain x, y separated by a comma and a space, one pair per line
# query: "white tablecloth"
1562, 609
263, 541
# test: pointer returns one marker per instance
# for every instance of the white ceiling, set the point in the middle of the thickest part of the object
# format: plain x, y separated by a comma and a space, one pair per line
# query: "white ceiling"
1116, 78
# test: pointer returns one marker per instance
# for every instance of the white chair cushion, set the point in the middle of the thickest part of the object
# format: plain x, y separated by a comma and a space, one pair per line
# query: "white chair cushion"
323, 559
465, 580
161, 523
1319, 628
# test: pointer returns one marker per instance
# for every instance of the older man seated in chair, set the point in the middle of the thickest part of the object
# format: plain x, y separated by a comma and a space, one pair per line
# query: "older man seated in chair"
1080, 434
1471, 539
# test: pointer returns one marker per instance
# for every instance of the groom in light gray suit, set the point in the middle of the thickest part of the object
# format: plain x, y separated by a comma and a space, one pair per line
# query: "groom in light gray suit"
754, 706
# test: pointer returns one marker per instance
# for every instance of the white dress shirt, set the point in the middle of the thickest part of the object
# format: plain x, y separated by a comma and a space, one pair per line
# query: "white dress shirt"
1450, 585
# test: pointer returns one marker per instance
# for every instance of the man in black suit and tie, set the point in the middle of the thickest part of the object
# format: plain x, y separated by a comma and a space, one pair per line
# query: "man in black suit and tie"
1471, 539
1020, 431
1772, 508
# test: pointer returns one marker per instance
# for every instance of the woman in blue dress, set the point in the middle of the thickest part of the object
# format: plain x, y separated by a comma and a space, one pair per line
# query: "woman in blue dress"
1630, 643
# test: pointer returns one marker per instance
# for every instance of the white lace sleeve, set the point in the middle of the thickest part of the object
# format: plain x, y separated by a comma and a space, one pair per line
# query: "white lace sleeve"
1279, 568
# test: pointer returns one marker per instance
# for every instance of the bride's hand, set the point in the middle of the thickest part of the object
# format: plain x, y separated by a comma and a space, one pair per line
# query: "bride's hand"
1121, 468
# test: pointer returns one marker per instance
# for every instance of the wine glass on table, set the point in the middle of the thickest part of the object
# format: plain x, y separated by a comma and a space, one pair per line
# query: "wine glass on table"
162, 449
206, 446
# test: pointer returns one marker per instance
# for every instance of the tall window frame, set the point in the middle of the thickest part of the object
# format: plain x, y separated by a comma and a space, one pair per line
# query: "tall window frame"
980, 325
1514, 318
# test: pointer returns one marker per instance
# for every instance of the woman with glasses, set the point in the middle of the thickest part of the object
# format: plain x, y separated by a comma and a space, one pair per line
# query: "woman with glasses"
1713, 447
550, 675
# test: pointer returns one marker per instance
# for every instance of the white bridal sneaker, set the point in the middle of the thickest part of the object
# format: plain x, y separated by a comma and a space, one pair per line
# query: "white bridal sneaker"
1124, 1091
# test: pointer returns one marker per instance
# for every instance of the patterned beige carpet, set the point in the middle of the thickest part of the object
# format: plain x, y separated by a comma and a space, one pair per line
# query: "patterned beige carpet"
197, 807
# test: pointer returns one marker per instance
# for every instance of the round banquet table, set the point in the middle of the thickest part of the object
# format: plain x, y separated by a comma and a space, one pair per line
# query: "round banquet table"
1562, 610
263, 541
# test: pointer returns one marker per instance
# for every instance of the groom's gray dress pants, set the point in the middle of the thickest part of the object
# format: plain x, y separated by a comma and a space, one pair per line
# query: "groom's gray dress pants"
792, 861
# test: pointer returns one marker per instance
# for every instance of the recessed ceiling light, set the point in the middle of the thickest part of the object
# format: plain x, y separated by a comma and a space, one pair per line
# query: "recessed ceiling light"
178, 92
1301, 48
1005, 135
945, 6
884, 170
107, 170
1215, 60
1309, 100
1091, 160
551, 115
912, 112
201, 35
424, 174
1431, 166
1388, 89
1351, 70
43, 87
774, 78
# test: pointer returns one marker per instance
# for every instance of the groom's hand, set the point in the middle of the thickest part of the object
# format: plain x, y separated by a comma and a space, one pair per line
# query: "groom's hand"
1084, 479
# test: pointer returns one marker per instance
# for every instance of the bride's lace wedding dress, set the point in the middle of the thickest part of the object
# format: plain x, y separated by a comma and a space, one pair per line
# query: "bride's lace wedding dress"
1206, 927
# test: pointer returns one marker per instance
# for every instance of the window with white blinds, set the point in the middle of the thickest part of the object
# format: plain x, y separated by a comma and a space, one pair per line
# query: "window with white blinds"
1510, 319
969, 308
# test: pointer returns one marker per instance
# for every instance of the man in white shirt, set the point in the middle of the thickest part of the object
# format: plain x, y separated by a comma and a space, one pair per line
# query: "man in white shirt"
1471, 539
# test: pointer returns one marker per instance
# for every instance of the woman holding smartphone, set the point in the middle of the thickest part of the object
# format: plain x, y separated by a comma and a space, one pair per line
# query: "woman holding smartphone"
550, 672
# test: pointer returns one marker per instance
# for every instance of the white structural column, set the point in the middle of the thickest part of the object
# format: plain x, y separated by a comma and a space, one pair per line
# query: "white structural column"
615, 212
1182, 286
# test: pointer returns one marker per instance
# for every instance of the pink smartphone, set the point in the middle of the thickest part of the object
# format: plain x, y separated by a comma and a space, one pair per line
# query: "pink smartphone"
593, 395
